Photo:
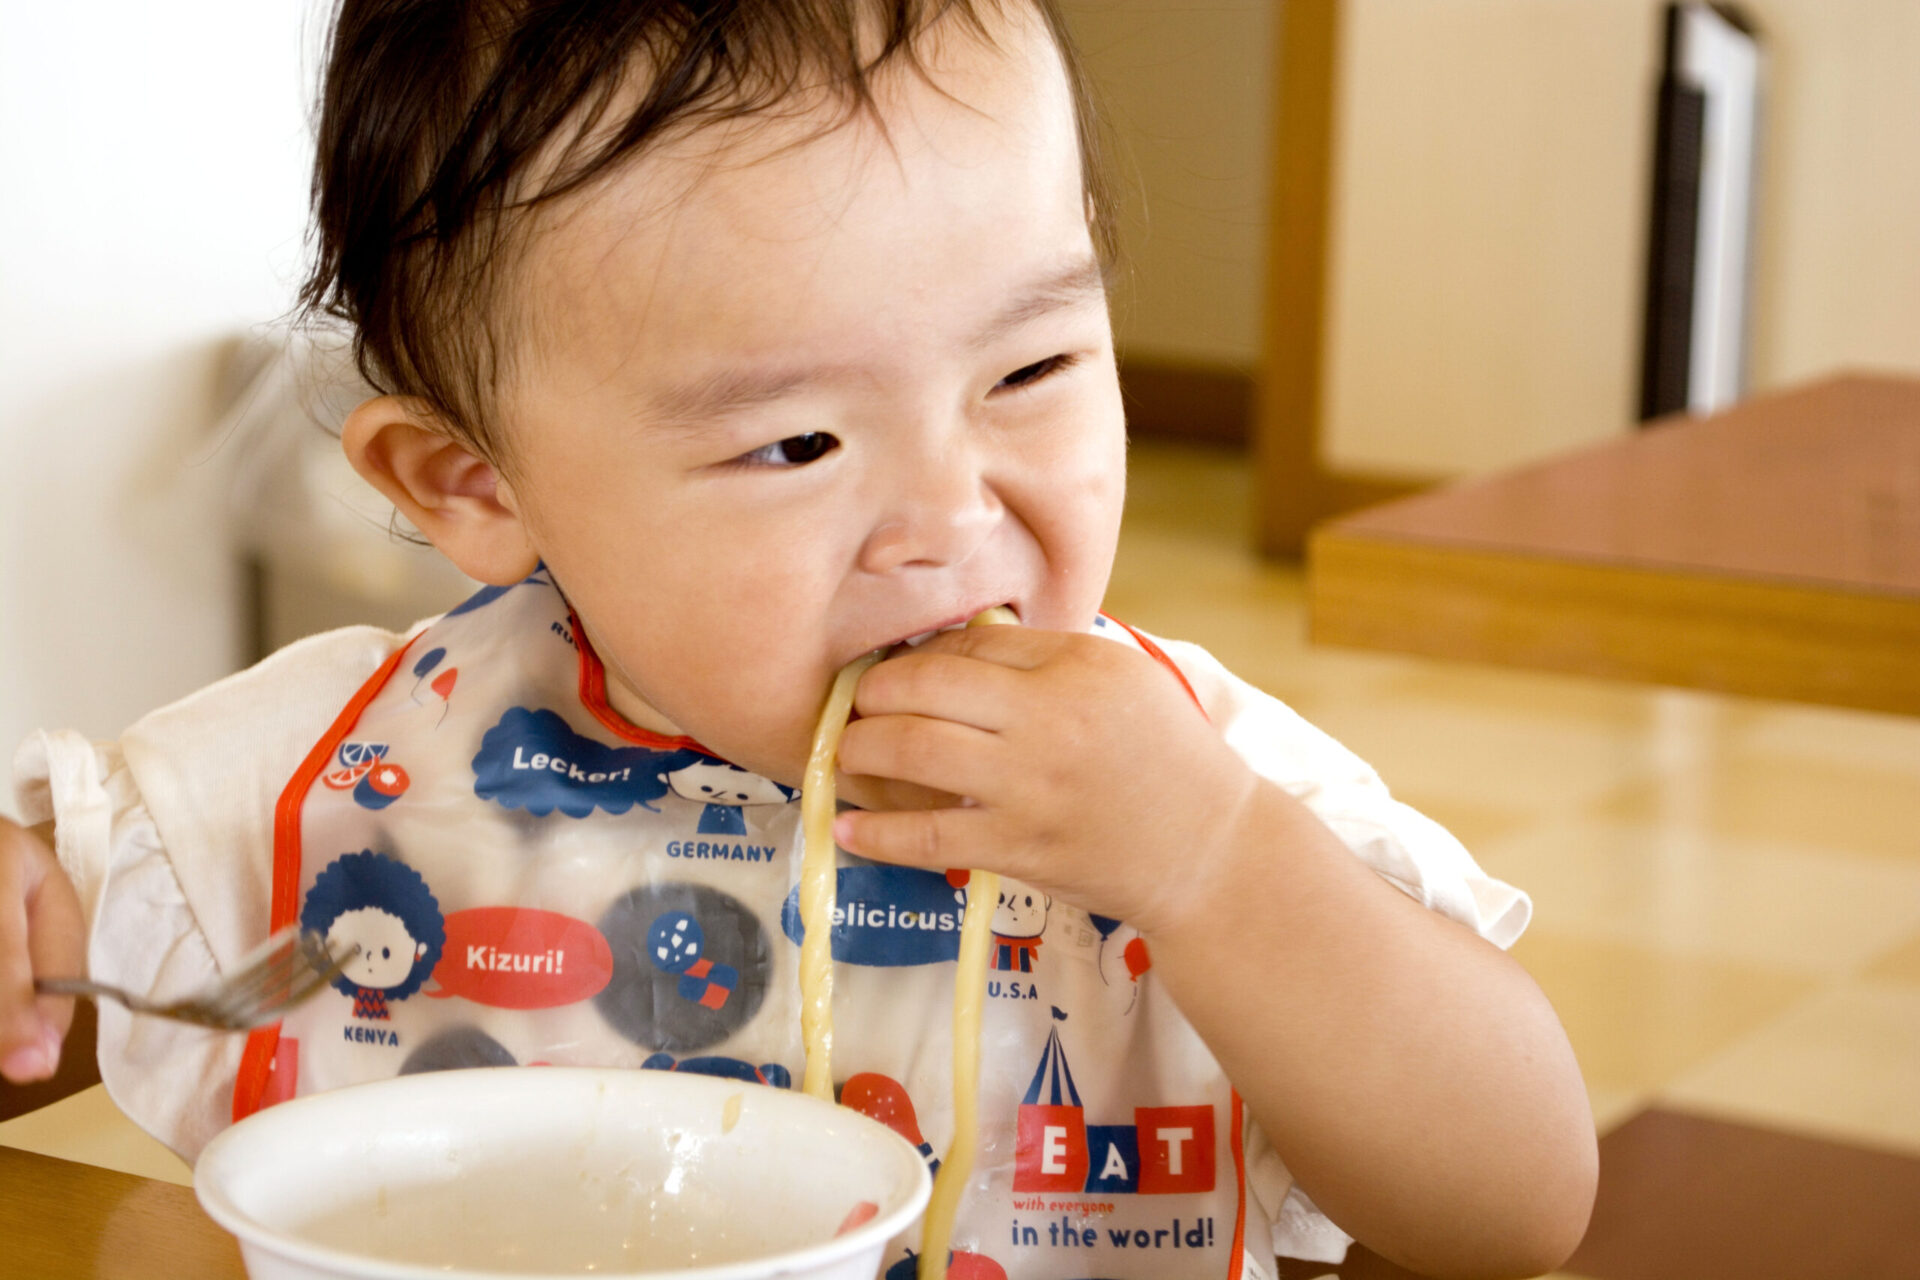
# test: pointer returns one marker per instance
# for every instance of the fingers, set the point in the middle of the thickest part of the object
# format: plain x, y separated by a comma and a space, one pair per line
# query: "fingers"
1017, 647
23, 1033
946, 686
935, 839
42, 930
868, 792
939, 754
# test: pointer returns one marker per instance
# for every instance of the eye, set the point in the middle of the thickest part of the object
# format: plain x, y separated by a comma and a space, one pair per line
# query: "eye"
794, 451
1027, 375
386, 953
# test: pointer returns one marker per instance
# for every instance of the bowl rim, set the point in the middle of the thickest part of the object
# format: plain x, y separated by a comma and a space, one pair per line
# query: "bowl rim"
249, 1231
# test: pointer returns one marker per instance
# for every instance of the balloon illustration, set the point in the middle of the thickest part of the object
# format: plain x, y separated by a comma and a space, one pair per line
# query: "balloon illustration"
882, 1098
442, 685
1133, 954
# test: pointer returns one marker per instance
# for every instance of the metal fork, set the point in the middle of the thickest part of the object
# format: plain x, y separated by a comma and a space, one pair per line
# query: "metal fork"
288, 968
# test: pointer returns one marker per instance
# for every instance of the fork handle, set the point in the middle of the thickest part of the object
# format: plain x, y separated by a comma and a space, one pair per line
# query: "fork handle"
83, 987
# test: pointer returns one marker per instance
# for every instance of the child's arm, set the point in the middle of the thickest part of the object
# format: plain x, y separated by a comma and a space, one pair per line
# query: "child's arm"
1410, 1074
42, 931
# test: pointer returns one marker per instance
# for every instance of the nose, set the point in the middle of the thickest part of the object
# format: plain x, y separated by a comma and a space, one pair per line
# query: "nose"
939, 510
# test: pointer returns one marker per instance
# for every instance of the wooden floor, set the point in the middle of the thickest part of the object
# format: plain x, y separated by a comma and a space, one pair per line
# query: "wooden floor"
1727, 910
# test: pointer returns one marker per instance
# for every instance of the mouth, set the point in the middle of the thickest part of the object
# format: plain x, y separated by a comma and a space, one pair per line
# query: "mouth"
919, 638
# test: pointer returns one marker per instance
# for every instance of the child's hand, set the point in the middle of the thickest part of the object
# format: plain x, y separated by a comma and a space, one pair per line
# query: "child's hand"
1410, 1074
1087, 770
42, 931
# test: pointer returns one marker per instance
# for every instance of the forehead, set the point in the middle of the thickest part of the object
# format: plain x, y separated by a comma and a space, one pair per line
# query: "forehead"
817, 227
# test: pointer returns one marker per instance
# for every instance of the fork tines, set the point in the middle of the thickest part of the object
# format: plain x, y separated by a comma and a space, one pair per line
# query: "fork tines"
287, 969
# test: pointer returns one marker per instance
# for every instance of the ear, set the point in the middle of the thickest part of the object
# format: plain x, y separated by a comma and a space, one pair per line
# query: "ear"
446, 491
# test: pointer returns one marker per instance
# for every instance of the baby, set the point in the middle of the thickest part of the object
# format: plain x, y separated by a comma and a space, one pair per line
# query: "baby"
729, 343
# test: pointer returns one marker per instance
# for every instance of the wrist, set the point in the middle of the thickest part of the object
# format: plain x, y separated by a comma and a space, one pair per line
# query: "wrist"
1214, 864
1271, 865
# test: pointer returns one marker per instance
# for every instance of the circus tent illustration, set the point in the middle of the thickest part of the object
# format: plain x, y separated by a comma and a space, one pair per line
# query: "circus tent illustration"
1165, 1151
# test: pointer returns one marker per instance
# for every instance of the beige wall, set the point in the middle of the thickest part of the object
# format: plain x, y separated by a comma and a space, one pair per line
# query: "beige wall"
1187, 87
1839, 257
1486, 233
156, 164
1491, 204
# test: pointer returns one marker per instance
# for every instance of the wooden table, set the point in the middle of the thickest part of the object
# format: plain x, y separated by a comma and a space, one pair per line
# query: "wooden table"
65, 1221
1772, 550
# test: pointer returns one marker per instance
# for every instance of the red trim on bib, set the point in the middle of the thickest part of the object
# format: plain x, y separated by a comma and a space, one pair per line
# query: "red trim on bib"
593, 696
256, 1060
1240, 1177
1159, 655
1238, 1121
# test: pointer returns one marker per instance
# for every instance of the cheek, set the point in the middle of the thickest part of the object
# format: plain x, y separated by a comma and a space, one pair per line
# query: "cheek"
1089, 462
1075, 510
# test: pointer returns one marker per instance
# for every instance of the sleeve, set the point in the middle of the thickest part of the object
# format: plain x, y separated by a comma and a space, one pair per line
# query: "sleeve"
167, 836
1409, 850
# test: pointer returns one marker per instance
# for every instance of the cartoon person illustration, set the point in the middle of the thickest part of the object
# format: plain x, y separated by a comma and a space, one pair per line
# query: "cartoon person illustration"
725, 789
383, 906
1018, 921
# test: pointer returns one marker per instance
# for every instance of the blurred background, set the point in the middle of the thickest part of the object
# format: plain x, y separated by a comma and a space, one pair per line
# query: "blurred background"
1483, 263
1440, 275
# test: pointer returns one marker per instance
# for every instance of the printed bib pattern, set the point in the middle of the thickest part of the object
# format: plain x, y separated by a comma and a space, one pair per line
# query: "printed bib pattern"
532, 880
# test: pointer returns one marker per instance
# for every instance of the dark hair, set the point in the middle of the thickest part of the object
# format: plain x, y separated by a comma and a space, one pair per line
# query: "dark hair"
368, 879
433, 114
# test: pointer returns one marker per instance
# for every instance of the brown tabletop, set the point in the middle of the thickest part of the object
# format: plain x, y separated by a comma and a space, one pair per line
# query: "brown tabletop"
1771, 550
64, 1221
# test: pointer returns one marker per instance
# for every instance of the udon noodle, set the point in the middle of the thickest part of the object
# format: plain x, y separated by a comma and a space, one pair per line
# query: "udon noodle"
818, 867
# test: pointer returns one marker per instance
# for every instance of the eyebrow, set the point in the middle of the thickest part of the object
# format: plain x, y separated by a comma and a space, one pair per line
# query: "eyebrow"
1082, 281
697, 402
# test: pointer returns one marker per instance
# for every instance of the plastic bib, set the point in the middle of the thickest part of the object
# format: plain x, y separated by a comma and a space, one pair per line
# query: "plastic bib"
532, 880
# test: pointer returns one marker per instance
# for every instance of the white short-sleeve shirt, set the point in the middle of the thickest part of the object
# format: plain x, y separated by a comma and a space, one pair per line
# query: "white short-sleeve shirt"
168, 836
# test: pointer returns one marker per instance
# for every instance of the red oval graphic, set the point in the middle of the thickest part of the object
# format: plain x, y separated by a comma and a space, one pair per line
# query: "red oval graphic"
521, 958
388, 779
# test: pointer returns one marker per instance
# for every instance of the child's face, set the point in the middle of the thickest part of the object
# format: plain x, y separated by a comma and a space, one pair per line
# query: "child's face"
787, 398
387, 951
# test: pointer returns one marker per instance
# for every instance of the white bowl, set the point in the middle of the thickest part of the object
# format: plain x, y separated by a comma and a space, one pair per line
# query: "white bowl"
560, 1171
